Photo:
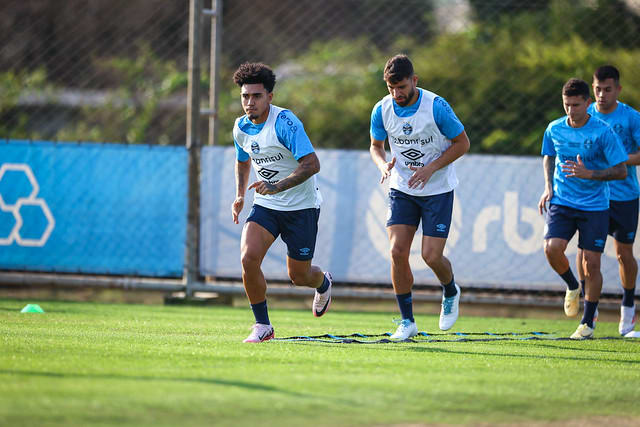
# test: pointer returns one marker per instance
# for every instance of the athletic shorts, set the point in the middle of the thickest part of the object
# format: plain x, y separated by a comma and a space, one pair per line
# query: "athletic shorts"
623, 220
592, 226
298, 229
434, 211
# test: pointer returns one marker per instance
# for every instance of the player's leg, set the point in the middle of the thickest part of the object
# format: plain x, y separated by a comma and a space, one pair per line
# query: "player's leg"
579, 268
299, 231
561, 226
623, 222
592, 228
255, 242
404, 217
436, 222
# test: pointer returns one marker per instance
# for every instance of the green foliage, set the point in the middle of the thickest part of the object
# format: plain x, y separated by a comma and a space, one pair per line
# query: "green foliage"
13, 84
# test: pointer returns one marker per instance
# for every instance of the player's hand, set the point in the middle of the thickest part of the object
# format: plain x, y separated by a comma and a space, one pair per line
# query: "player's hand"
420, 177
264, 188
544, 199
236, 208
576, 169
385, 171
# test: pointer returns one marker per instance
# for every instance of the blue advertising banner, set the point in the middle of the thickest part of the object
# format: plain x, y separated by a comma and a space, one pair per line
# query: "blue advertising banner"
495, 240
93, 208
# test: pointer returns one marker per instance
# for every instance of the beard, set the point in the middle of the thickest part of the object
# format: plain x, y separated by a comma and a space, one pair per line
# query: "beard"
408, 99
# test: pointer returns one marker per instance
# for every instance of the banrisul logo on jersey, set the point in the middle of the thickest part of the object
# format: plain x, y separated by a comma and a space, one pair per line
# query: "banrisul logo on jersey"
407, 129
255, 148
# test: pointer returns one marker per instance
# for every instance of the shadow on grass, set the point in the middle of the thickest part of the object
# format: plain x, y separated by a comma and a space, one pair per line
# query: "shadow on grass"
212, 381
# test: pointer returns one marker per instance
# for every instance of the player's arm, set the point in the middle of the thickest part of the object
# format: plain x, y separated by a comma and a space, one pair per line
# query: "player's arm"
380, 158
634, 159
548, 164
308, 166
459, 146
243, 169
577, 169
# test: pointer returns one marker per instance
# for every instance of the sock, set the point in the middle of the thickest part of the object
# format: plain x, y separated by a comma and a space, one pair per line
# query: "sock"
325, 285
627, 297
260, 312
450, 289
583, 283
570, 279
406, 306
589, 312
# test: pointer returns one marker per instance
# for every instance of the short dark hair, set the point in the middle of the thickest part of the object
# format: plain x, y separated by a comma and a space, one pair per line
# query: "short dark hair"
398, 68
253, 73
607, 72
576, 87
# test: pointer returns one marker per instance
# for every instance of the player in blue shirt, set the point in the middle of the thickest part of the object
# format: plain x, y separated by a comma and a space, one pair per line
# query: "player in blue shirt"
287, 199
580, 153
623, 205
425, 138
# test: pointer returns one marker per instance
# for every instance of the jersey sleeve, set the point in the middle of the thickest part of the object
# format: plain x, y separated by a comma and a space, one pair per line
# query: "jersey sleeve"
613, 148
446, 120
292, 135
241, 155
377, 126
635, 127
548, 149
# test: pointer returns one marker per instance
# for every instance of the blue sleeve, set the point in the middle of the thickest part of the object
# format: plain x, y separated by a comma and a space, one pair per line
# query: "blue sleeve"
446, 120
548, 148
241, 155
635, 127
377, 127
613, 149
291, 134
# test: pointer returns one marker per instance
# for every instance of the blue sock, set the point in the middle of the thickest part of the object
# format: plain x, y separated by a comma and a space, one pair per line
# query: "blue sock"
589, 312
450, 289
627, 297
406, 306
325, 285
570, 279
260, 312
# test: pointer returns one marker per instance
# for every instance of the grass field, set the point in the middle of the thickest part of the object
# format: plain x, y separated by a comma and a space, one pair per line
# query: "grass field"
114, 364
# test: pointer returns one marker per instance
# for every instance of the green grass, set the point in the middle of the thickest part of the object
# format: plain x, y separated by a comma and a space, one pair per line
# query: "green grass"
114, 364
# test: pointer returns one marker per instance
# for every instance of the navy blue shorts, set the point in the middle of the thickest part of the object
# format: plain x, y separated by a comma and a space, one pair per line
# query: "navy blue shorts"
434, 211
623, 220
563, 221
298, 229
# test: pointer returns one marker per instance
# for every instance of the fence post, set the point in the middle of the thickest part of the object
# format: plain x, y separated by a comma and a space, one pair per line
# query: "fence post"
216, 57
192, 246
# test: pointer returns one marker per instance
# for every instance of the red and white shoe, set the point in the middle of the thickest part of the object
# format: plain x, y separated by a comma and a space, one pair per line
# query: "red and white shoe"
321, 302
260, 333
627, 319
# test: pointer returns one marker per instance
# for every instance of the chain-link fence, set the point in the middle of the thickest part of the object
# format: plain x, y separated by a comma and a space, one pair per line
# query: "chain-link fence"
116, 70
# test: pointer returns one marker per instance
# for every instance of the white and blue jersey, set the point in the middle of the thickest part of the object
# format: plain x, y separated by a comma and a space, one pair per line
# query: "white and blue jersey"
275, 147
598, 147
417, 134
625, 122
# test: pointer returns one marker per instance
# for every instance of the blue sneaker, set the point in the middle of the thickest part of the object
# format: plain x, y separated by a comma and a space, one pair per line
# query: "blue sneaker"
449, 311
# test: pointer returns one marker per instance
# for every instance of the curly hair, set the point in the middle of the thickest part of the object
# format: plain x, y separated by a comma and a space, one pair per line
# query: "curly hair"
253, 73
576, 87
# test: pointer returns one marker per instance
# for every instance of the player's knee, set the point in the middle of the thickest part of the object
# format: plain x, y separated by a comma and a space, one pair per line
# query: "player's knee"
249, 261
431, 257
299, 278
399, 254
552, 249
591, 265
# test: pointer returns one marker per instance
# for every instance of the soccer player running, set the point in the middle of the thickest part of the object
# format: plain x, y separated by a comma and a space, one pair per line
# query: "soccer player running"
287, 200
581, 153
623, 204
425, 138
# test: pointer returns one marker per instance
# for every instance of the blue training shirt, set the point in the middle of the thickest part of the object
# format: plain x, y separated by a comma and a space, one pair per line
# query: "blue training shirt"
289, 130
625, 122
446, 120
599, 148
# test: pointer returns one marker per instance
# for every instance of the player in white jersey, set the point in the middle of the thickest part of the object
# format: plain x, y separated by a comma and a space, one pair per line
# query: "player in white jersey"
287, 200
425, 138
623, 205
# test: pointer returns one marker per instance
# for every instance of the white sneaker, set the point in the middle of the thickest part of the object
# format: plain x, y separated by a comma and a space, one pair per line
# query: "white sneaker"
260, 333
406, 329
321, 302
582, 333
627, 319
449, 310
572, 302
